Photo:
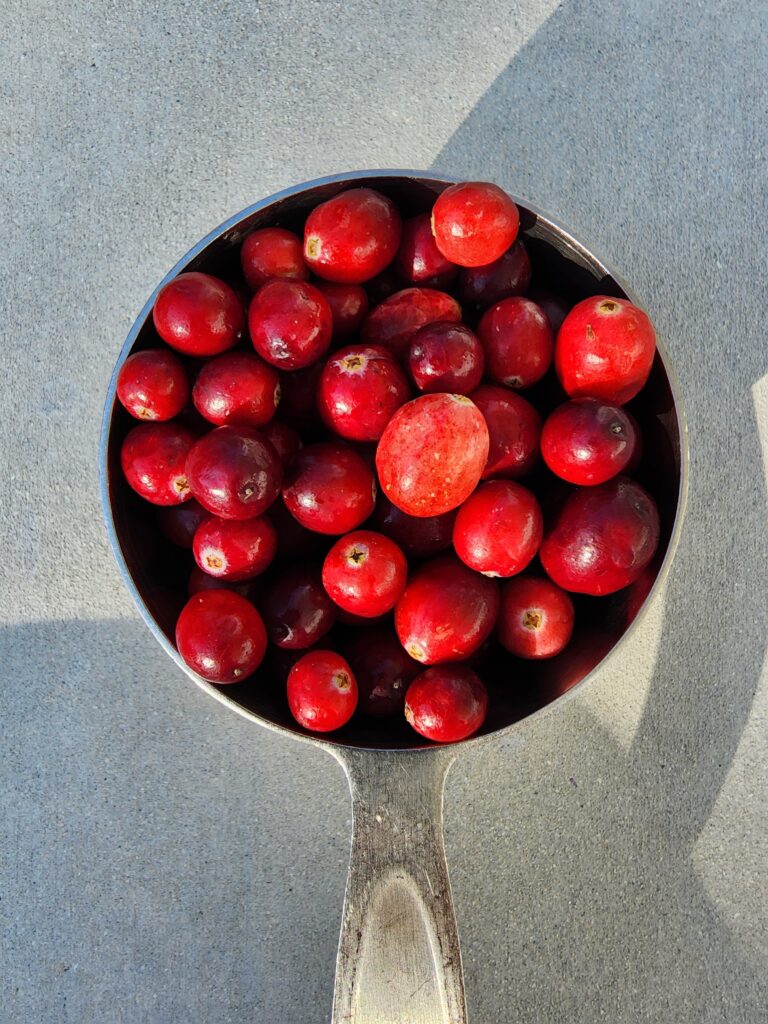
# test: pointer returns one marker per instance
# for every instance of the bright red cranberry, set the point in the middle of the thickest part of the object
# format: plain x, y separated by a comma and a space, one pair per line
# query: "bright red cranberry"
200, 581
272, 253
535, 617
498, 529
221, 636
329, 488
349, 308
447, 703
352, 237
602, 539
518, 342
394, 321
298, 398
432, 453
383, 671
418, 537
364, 573
178, 522
153, 458
586, 441
419, 261
322, 691
153, 385
235, 549
198, 315
290, 323
361, 388
474, 223
509, 275
234, 472
238, 389
285, 440
446, 612
446, 357
297, 610
514, 429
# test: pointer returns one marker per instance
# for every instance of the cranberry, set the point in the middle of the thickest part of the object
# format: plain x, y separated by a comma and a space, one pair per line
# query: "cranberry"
419, 537
238, 389
361, 387
419, 261
297, 610
233, 549
353, 236
285, 440
637, 455
498, 529
178, 522
198, 315
294, 541
153, 458
509, 275
447, 703
383, 285
272, 253
364, 573
518, 342
221, 636
605, 349
474, 223
290, 323
514, 429
349, 307
586, 441
432, 453
535, 617
152, 385
602, 539
383, 671
555, 306
329, 488
322, 691
234, 472
298, 397
394, 321
200, 581
446, 612
446, 357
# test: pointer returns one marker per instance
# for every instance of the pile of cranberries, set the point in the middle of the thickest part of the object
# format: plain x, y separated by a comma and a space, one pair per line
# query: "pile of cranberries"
342, 436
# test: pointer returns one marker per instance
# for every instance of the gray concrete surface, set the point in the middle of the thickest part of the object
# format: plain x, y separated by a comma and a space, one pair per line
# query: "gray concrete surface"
164, 861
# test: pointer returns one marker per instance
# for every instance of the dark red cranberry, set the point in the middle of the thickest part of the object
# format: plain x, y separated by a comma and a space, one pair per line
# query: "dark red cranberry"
298, 398
322, 691
272, 253
349, 308
535, 617
498, 529
637, 455
446, 357
383, 285
154, 457
509, 275
234, 549
294, 541
200, 581
586, 441
198, 315
554, 304
474, 223
383, 671
446, 612
514, 429
419, 261
364, 573
518, 342
178, 522
352, 237
361, 387
290, 324
234, 472
153, 385
420, 537
394, 321
296, 609
329, 488
602, 539
285, 440
446, 703
237, 389
221, 636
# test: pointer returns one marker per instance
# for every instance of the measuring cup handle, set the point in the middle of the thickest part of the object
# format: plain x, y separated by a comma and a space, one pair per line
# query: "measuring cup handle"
399, 955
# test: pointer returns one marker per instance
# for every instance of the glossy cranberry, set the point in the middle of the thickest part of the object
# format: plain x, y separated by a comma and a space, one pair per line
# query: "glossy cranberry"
153, 385
432, 453
290, 323
364, 573
272, 253
178, 523
238, 389
234, 472
329, 488
509, 275
234, 549
498, 529
447, 703
153, 458
446, 612
602, 539
419, 261
554, 304
361, 388
352, 237
298, 398
199, 315
474, 223
383, 671
605, 349
418, 537
535, 617
285, 440
518, 342
200, 581
297, 610
514, 429
322, 691
394, 321
446, 357
349, 308
586, 441
221, 636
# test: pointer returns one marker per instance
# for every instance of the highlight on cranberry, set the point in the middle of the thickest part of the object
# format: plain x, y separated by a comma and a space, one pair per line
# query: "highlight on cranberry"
364, 509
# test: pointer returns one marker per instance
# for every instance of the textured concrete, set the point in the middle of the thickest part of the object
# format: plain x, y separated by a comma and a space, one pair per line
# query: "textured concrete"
162, 860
